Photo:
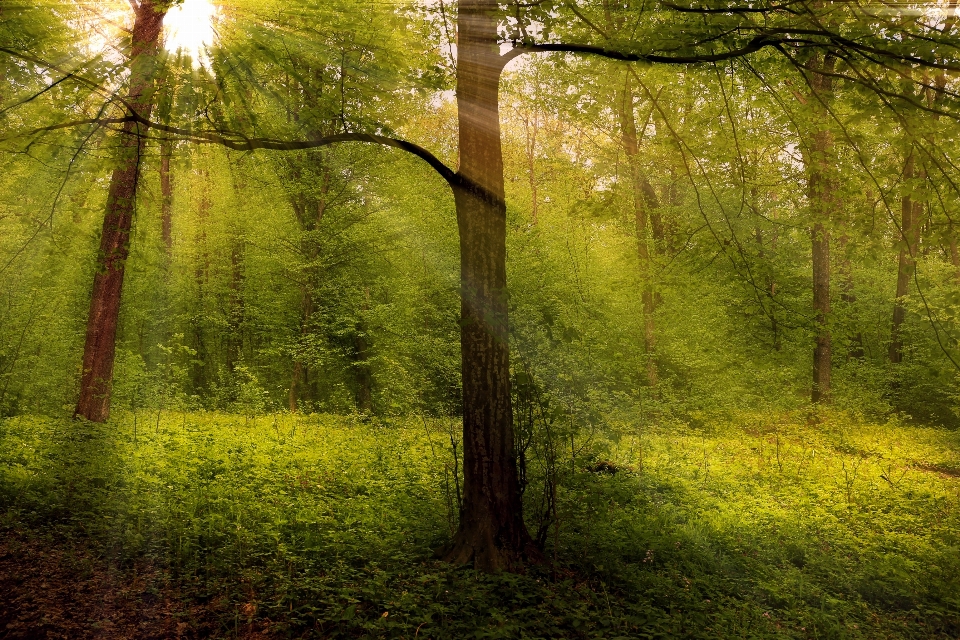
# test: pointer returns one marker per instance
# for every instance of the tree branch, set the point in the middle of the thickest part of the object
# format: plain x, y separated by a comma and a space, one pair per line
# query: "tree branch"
757, 43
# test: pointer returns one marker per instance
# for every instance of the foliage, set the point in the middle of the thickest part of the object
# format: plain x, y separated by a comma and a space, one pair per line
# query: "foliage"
749, 525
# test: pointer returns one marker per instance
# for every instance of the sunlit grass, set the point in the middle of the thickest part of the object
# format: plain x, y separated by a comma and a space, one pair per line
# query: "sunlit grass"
741, 527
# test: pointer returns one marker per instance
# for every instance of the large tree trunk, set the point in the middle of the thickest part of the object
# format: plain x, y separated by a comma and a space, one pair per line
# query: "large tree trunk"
492, 533
100, 346
644, 201
821, 194
910, 215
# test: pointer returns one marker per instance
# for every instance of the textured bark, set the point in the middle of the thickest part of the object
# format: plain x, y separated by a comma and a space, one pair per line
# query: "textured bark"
644, 201
821, 194
911, 212
492, 533
99, 348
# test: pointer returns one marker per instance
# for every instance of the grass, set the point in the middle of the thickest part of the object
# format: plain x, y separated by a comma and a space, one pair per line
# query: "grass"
322, 526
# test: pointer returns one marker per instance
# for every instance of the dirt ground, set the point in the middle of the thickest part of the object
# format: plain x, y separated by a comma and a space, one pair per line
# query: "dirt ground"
53, 591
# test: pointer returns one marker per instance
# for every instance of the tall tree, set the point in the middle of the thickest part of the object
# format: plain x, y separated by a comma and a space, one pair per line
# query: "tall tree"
492, 532
645, 201
821, 193
100, 346
911, 211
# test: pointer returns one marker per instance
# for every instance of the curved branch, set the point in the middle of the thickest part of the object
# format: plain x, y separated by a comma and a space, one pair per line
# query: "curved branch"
757, 43
238, 142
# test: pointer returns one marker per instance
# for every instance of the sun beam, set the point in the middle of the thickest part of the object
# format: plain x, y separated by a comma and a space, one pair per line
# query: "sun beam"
189, 28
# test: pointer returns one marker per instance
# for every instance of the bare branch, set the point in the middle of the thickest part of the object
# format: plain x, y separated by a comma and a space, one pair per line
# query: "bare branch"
757, 43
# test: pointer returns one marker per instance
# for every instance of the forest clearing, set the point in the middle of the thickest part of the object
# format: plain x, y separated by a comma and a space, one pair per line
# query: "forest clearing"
479, 318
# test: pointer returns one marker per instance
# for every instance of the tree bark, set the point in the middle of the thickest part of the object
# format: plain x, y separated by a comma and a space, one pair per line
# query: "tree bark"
644, 201
820, 192
99, 348
911, 212
492, 533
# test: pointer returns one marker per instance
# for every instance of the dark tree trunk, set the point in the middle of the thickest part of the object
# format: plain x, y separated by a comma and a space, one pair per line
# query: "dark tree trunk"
821, 194
309, 212
849, 297
492, 533
237, 308
910, 215
296, 379
644, 202
166, 197
100, 345
771, 283
363, 372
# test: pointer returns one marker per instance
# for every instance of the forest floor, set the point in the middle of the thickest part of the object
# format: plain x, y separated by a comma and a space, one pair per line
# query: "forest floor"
209, 525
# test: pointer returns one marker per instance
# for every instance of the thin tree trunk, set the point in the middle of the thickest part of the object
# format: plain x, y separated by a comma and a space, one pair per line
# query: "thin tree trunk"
910, 215
295, 381
954, 255
644, 201
99, 348
237, 309
771, 284
299, 370
821, 193
531, 128
363, 372
492, 533
849, 298
166, 197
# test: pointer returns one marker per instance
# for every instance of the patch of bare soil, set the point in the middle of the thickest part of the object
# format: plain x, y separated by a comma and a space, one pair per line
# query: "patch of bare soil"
49, 591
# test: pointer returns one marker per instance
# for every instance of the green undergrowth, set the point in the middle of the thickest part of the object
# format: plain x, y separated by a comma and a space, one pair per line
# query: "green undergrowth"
322, 526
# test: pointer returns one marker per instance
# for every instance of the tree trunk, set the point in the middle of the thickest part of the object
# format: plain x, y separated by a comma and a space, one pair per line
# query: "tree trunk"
849, 297
492, 533
100, 345
954, 255
531, 127
295, 381
363, 372
237, 308
910, 215
821, 187
644, 201
771, 283
299, 370
166, 197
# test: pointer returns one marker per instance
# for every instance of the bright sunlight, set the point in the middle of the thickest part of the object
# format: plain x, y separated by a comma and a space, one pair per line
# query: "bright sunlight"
189, 28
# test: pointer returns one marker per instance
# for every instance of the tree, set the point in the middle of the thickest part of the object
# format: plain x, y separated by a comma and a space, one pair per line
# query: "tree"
99, 351
821, 193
